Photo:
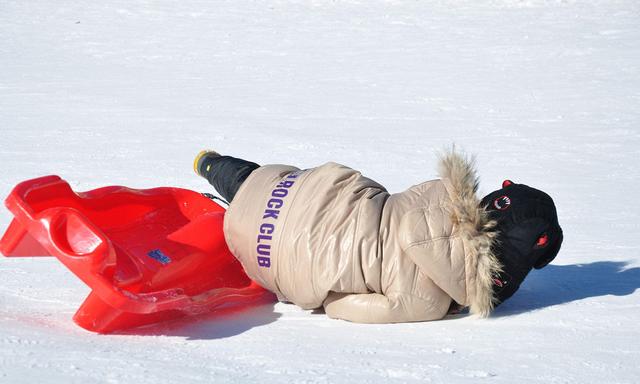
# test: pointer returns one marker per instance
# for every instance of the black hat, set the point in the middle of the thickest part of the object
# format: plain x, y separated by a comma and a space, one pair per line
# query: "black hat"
529, 235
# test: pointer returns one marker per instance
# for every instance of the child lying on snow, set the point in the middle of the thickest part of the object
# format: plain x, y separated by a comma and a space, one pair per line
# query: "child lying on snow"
330, 237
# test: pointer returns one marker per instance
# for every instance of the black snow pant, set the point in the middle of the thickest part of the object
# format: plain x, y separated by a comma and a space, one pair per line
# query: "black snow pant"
226, 174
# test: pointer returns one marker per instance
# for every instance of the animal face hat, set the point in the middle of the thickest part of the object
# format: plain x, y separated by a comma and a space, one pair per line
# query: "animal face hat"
529, 233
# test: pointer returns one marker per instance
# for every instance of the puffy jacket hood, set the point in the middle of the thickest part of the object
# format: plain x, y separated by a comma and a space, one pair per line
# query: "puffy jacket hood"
476, 229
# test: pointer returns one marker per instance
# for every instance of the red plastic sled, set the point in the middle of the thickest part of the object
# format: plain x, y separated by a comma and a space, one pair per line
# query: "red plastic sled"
147, 255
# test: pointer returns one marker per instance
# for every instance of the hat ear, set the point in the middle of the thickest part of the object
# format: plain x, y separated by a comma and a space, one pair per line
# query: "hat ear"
506, 183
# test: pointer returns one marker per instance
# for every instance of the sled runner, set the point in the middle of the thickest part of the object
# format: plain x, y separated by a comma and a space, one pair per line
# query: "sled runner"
147, 255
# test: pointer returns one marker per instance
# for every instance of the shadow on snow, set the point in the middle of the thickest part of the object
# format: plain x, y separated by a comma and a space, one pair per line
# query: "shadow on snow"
553, 285
218, 324
559, 284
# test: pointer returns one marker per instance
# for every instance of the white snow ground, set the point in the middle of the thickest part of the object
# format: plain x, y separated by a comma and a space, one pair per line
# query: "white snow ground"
126, 92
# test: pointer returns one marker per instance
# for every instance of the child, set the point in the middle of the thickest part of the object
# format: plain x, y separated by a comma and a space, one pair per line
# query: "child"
330, 237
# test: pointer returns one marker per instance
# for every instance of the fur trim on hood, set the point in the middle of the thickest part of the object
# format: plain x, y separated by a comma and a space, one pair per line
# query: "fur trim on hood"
476, 229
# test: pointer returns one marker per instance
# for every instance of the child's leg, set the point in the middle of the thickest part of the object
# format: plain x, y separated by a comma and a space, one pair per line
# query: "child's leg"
225, 173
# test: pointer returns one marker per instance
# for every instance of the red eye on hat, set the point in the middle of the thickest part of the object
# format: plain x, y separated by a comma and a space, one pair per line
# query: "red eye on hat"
543, 240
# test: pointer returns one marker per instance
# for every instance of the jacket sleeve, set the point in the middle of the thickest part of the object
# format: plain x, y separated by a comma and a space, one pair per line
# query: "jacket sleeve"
378, 308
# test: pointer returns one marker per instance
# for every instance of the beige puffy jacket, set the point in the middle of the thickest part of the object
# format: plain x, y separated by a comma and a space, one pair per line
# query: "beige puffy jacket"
328, 236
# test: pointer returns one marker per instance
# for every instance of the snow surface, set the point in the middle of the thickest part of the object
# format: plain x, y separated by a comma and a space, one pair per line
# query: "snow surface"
127, 92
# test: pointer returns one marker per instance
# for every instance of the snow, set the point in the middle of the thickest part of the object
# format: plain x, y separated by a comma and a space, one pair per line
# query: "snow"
545, 92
